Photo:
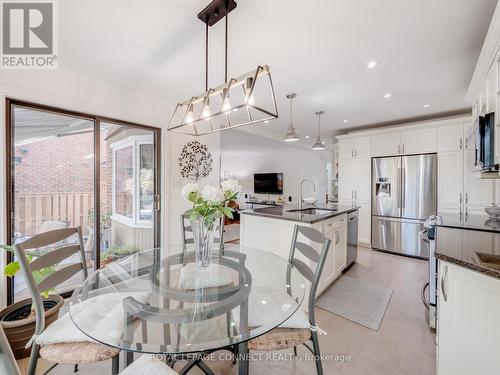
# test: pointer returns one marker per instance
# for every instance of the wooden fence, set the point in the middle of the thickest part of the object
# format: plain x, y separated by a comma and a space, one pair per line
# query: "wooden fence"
32, 209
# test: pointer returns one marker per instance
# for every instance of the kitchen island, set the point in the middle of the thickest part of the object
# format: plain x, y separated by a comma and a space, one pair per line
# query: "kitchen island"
272, 228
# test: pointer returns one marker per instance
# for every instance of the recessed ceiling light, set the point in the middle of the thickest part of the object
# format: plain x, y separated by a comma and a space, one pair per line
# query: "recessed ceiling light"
371, 64
307, 137
426, 106
388, 95
346, 121
323, 142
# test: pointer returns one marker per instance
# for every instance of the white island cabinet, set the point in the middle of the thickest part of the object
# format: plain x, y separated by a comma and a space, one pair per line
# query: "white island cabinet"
468, 330
275, 235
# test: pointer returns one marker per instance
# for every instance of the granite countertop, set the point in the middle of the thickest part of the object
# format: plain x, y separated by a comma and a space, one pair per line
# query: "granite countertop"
283, 212
486, 263
471, 222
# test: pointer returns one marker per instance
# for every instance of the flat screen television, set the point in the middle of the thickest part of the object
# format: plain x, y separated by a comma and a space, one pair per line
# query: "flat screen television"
268, 183
488, 141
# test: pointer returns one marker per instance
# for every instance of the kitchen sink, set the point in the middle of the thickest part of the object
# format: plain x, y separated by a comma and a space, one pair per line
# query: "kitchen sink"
312, 211
487, 260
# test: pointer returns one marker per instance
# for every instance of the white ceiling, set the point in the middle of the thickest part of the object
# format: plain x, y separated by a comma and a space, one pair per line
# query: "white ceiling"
426, 51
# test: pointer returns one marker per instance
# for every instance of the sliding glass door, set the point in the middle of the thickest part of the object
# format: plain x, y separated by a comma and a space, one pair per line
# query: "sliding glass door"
70, 169
127, 175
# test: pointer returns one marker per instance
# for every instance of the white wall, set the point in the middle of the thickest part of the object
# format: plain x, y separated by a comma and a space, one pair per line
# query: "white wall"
177, 204
296, 164
73, 91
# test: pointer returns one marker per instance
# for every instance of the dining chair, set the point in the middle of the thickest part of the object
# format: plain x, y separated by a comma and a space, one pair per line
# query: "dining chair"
50, 225
73, 353
286, 338
188, 236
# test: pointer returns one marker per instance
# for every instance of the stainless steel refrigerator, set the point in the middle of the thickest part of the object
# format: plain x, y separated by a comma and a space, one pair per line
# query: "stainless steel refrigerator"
404, 195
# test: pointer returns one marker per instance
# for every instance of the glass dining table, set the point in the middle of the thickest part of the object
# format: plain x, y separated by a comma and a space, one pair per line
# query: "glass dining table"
161, 302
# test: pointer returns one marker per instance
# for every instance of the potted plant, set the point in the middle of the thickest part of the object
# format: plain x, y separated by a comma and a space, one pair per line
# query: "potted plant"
18, 319
121, 251
106, 259
208, 205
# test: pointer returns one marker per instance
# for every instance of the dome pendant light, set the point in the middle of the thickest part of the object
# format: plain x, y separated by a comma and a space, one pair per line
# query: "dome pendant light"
319, 145
291, 136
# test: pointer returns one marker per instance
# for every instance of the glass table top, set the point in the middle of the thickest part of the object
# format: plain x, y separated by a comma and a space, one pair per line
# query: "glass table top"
152, 302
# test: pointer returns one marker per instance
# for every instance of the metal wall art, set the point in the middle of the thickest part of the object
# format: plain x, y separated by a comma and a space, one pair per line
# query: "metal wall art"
195, 161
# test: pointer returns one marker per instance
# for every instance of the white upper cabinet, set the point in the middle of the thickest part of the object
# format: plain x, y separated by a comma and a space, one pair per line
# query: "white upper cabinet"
346, 148
450, 178
407, 142
451, 138
386, 144
478, 193
419, 141
355, 148
363, 147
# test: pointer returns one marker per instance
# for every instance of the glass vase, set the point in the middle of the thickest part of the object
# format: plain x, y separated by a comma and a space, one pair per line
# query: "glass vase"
203, 240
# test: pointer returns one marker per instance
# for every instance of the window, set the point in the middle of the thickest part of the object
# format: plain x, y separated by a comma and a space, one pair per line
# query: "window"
133, 181
55, 183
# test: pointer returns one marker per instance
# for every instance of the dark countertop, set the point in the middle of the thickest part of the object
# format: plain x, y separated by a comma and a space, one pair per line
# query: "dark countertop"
473, 259
282, 212
471, 222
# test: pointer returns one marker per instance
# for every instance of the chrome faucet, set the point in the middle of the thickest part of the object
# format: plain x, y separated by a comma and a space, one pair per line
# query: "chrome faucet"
301, 198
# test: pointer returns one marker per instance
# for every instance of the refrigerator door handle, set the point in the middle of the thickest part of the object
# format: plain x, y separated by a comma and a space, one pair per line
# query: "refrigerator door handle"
403, 188
399, 192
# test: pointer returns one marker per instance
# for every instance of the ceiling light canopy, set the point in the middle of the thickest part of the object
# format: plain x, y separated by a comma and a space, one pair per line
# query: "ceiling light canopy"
319, 145
291, 135
245, 100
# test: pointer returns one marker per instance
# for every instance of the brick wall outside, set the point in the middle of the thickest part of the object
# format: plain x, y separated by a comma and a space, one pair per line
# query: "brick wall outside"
62, 164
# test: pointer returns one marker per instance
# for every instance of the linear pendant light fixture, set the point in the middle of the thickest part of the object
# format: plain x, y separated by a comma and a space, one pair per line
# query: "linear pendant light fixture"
291, 136
245, 100
319, 145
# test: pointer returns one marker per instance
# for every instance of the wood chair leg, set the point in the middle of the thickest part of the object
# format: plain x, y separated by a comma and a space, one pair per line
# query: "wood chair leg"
75, 369
295, 351
317, 353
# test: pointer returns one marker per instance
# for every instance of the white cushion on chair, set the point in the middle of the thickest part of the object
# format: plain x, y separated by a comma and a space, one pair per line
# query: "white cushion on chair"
104, 313
146, 365
267, 302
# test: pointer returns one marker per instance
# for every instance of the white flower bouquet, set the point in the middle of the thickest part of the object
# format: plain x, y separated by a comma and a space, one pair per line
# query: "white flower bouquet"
208, 205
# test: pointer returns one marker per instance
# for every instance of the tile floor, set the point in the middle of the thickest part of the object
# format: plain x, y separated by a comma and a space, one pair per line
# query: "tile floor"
404, 345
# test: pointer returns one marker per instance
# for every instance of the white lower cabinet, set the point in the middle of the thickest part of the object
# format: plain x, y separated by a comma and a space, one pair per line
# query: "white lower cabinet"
365, 223
468, 322
336, 231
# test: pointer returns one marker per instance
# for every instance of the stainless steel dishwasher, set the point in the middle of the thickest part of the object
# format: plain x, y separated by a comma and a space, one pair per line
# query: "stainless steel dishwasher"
352, 237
